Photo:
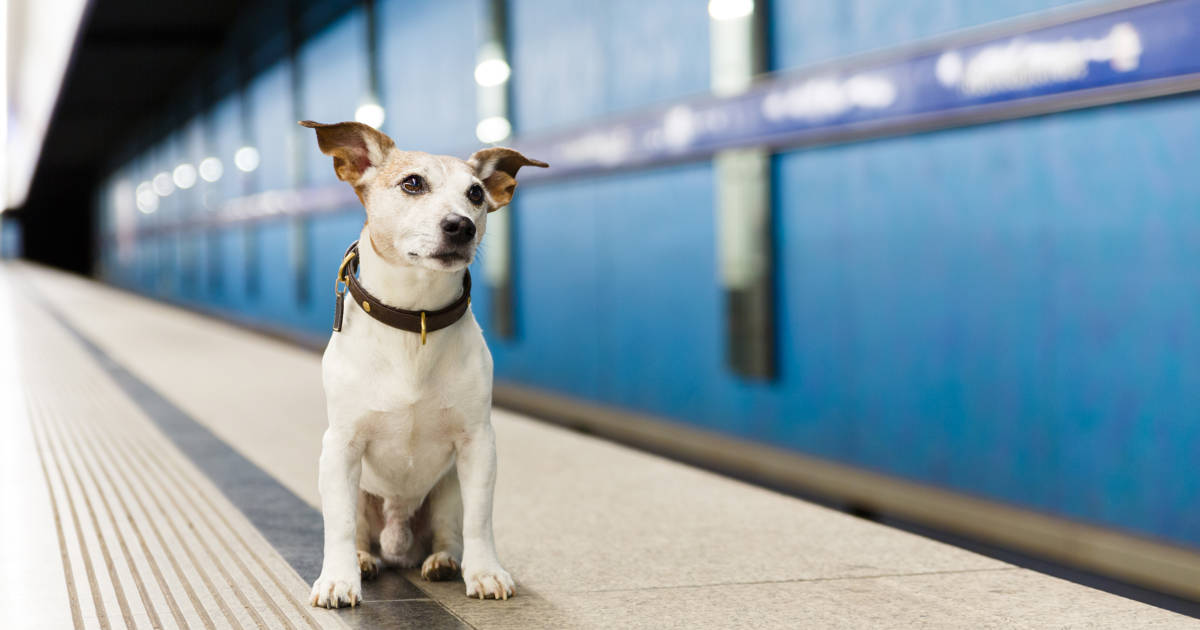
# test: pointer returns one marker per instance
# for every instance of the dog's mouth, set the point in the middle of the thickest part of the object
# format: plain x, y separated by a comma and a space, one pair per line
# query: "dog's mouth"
449, 256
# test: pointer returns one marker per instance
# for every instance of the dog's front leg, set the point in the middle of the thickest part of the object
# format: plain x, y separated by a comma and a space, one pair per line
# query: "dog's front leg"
340, 583
476, 459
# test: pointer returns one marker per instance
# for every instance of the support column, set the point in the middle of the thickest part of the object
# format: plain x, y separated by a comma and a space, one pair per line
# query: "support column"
492, 74
299, 228
246, 160
745, 238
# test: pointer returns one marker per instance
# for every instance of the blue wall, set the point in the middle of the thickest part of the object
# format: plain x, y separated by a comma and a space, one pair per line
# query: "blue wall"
1008, 310
10, 238
807, 32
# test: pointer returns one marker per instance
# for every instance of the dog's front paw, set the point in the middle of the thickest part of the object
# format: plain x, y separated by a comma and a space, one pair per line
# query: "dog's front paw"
368, 565
439, 566
335, 592
490, 582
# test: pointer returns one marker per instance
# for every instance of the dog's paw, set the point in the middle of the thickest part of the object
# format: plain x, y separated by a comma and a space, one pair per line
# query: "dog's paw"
332, 592
489, 583
368, 565
439, 566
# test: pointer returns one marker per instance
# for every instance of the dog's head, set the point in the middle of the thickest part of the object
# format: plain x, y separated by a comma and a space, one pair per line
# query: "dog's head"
422, 209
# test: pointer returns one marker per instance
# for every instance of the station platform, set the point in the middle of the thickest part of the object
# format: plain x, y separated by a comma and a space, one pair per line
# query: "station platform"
160, 470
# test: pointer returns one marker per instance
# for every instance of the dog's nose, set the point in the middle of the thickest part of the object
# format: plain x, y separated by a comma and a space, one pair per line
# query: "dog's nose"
458, 229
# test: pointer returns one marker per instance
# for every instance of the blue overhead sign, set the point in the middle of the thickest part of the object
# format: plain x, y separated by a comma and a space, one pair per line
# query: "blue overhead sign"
1131, 51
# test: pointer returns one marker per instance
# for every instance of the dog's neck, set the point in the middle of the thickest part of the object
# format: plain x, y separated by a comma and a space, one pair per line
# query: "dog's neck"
403, 286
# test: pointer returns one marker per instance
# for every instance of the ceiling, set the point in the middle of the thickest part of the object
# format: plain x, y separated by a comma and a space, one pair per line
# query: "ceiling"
132, 58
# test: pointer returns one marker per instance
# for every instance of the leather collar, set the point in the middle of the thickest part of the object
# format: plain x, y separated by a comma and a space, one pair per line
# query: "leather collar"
422, 322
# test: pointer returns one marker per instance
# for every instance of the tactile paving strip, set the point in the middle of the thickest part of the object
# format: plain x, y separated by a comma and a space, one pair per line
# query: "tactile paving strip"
146, 540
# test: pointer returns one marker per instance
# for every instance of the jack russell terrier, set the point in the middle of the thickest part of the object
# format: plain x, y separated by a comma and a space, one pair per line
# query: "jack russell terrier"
408, 462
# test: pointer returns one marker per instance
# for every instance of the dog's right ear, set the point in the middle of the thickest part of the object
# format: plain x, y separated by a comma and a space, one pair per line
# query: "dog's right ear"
356, 148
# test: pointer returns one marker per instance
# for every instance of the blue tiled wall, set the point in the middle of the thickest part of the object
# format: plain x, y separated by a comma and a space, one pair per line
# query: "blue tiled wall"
578, 60
334, 82
10, 238
807, 32
1005, 309
430, 97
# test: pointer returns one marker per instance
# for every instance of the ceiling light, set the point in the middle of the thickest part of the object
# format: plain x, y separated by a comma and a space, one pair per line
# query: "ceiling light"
246, 159
493, 129
730, 9
184, 176
370, 113
492, 72
211, 169
162, 184
147, 199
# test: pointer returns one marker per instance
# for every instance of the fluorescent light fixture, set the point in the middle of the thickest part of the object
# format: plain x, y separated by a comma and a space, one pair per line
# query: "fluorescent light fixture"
246, 159
147, 199
721, 10
38, 38
184, 176
493, 129
211, 169
492, 72
8, 116
162, 184
370, 113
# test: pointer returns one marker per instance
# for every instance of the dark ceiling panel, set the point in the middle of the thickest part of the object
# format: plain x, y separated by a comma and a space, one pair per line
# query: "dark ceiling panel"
164, 14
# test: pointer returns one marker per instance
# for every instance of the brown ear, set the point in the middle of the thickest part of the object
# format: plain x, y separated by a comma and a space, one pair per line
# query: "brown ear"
355, 147
498, 167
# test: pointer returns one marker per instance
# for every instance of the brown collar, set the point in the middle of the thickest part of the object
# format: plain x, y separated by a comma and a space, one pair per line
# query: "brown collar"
413, 321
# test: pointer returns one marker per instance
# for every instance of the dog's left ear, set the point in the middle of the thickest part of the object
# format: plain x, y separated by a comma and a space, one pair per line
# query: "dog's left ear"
497, 167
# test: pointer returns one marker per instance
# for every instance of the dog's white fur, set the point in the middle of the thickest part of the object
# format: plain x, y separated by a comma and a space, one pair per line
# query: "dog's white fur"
408, 461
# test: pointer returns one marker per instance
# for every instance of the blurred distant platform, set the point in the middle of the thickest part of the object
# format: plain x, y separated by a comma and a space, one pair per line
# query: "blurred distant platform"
160, 471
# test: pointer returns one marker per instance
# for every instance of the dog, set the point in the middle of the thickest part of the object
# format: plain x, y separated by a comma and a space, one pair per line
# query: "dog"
408, 463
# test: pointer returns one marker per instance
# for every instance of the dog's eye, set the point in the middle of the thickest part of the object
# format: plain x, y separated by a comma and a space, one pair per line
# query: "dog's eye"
475, 194
413, 184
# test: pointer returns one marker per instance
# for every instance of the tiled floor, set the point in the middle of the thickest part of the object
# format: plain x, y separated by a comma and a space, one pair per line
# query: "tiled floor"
597, 535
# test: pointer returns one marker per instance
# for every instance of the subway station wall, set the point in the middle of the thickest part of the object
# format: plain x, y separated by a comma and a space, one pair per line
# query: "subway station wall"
1008, 310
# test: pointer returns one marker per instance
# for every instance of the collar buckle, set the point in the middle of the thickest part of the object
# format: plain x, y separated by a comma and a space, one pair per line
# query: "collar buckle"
341, 278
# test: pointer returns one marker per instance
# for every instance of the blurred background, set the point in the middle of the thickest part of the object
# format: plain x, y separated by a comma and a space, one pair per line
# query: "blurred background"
922, 247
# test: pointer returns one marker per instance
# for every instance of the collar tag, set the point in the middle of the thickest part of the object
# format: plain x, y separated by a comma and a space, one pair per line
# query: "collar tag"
337, 312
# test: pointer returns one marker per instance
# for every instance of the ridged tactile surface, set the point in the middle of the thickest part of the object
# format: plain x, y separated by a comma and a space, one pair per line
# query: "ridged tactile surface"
145, 540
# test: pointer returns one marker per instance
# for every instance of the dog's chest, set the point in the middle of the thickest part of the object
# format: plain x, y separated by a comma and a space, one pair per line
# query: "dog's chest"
407, 451
408, 403
378, 368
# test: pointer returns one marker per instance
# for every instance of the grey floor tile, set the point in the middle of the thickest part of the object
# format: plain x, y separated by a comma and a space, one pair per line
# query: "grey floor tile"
390, 584
401, 615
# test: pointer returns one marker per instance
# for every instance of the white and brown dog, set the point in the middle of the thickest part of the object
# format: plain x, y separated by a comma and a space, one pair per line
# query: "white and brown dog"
409, 460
